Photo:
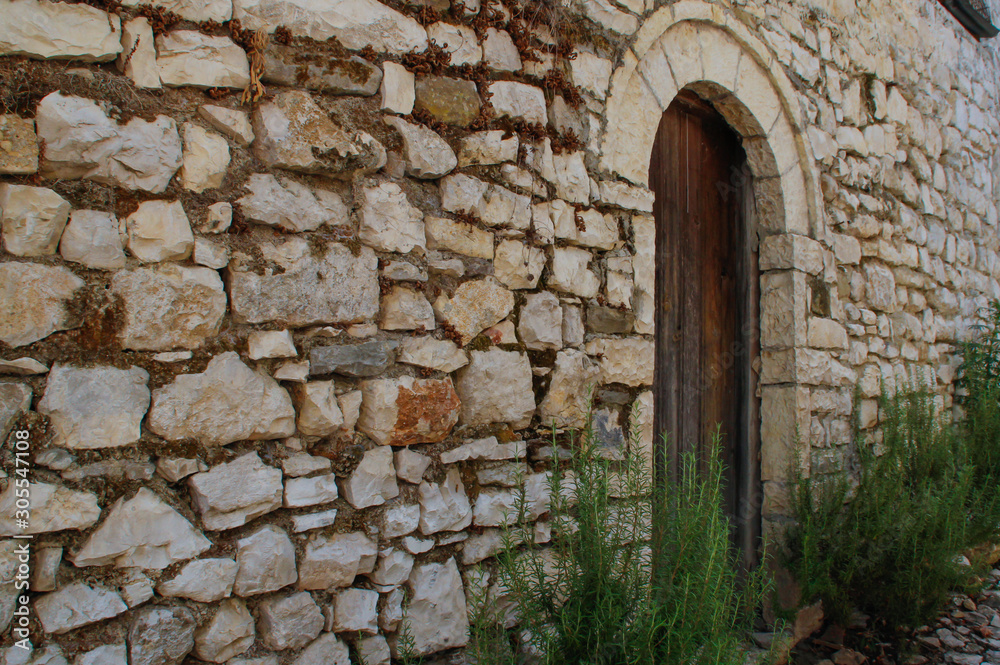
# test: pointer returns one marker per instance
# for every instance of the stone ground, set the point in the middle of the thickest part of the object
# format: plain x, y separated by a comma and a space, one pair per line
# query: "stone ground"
967, 633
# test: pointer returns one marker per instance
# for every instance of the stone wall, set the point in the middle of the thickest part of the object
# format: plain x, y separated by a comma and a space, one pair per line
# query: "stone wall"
292, 293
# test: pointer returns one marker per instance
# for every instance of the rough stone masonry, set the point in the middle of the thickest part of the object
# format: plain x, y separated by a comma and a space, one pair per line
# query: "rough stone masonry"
291, 293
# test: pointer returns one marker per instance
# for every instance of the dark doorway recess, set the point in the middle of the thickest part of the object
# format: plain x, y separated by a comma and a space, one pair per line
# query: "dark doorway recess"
707, 301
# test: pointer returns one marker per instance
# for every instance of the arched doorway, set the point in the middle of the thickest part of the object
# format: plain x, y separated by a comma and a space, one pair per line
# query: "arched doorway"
707, 301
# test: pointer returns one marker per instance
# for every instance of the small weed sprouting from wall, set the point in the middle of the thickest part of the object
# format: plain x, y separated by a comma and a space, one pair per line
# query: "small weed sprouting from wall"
888, 542
635, 572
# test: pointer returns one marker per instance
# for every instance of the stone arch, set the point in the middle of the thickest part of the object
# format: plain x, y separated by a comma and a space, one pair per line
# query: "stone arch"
704, 48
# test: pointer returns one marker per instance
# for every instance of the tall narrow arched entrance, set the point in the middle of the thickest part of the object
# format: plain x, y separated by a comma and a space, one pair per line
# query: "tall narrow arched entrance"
707, 300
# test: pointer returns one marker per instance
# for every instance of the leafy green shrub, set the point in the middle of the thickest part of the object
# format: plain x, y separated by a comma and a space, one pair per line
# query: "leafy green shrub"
635, 574
888, 546
980, 383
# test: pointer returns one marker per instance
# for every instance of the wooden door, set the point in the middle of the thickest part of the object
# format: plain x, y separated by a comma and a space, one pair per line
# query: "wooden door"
706, 305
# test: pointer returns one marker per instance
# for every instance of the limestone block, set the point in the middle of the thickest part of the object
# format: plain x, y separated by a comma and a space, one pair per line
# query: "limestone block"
197, 11
490, 147
540, 324
169, 306
161, 636
97, 407
398, 89
517, 265
92, 238
205, 158
334, 287
459, 41
436, 616
567, 403
374, 650
428, 156
389, 222
355, 23
266, 562
499, 51
452, 101
190, 58
289, 622
442, 355
229, 633
476, 305
218, 218
207, 406
42, 29
458, 237
496, 386
789, 251
311, 521
827, 334
232, 494
626, 360
570, 273
495, 205
588, 228
202, 580
880, 287
15, 400
591, 73
333, 562
406, 411
109, 654
18, 145
410, 465
33, 219
444, 506
783, 309
373, 481
311, 66
607, 15
355, 611
294, 133
300, 492
518, 100
53, 508
159, 231
231, 122
77, 605
784, 416
402, 519
328, 649
270, 344
143, 532
138, 57
484, 449
290, 205
406, 309
319, 411
47, 288
302, 464
366, 359
81, 141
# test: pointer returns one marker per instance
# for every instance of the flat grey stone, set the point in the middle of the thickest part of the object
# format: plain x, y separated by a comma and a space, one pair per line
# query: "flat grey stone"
365, 359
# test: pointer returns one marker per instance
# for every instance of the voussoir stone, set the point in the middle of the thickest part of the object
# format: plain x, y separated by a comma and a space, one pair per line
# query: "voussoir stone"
53, 508
161, 636
48, 288
81, 141
227, 402
290, 205
95, 407
190, 58
33, 219
169, 306
43, 29
406, 411
428, 156
142, 532
77, 605
294, 133
334, 287
476, 306
314, 69
232, 494
496, 386
436, 617
355, 23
